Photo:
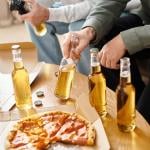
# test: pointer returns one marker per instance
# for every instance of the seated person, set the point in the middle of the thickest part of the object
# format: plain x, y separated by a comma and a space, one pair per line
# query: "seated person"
68, 17
116, 37
143, 105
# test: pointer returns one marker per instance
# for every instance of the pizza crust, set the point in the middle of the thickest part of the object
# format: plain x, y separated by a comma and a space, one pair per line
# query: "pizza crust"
38, 120
90, 130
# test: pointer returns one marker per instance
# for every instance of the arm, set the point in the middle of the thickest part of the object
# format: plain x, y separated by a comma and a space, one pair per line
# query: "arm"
68, 13
132, 40
137, 38
98, 23
103, 16
71, 13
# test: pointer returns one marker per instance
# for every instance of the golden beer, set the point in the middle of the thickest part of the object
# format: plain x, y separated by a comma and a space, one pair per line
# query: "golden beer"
97, 92
64, 82
20, 80
40, 29
24, 7
97, 86
125, 102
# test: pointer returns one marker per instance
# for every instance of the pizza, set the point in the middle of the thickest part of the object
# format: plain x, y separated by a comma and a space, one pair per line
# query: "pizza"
38, 132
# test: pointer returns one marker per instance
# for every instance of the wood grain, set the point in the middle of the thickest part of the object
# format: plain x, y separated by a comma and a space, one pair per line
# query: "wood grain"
137, 140
46, 80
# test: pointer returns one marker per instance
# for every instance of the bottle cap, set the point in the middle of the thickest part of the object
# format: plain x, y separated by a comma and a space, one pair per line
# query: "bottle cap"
38, 103
15, 46
39, 93
16, 49
94, 50
125, 61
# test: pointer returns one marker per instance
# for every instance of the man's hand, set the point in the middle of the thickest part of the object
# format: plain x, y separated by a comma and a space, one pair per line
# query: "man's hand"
75, 42
37, 14
111, 53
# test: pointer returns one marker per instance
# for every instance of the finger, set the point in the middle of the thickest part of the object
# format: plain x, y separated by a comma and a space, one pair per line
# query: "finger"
66, 46
114, 65
103, 60
74, 44
80, 45
74, 40
74, 55
108, 63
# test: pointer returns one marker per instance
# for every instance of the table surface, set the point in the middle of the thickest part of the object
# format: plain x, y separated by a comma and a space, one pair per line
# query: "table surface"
46, 80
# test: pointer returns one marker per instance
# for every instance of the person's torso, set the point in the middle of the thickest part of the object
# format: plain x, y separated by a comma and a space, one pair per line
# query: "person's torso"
144, 11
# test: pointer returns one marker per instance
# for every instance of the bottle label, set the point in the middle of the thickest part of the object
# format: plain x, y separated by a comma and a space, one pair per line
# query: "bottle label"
125, 74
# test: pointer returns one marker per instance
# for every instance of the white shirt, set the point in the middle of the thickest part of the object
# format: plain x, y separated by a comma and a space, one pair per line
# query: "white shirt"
72, 11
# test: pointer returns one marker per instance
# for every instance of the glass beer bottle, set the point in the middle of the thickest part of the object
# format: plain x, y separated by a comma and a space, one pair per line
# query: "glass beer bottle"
97, 85
22, 7
20, 80
125, 98
65, 78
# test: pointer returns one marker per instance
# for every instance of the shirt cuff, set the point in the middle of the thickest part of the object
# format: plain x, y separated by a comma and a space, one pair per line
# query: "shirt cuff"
132, 41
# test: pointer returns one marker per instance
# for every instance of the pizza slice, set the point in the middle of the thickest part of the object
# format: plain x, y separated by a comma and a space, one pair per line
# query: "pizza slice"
28, 134
76, 130
52, 122
38, 132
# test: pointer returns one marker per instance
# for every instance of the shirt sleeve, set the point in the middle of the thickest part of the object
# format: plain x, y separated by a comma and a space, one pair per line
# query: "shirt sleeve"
103, 16
71, 13
137, 38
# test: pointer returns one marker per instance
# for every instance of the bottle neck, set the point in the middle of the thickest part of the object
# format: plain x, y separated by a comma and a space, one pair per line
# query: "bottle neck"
125, 80
95, 68
125, 75
17, 59
18, 65
95, 65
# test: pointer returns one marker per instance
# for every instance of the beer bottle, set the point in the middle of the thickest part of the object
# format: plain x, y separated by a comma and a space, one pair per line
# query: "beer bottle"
22, 7
20, 80
65, 78
125, 98
97, 85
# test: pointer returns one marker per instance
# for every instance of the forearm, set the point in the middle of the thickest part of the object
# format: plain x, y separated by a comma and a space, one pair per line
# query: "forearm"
103, 16
71, 13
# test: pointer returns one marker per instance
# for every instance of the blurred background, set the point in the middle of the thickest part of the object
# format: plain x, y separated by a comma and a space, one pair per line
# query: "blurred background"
12, 29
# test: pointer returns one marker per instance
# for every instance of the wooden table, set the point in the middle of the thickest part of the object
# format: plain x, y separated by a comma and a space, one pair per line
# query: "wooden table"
138, 140
46, 80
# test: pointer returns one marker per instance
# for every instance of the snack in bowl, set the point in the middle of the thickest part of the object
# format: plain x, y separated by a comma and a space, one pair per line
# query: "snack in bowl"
38, 132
